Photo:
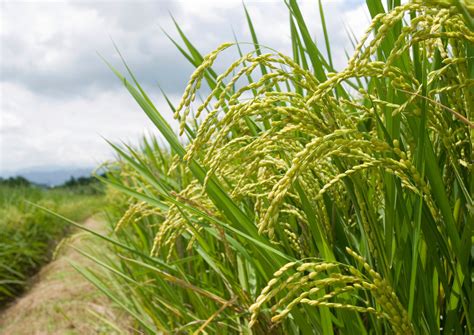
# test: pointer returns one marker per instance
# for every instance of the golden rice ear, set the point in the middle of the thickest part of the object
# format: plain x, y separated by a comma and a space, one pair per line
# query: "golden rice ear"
177, 220
195, 83
320, 284
455, 4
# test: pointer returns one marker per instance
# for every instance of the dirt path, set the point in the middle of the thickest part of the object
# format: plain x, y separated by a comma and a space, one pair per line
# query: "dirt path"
61, 301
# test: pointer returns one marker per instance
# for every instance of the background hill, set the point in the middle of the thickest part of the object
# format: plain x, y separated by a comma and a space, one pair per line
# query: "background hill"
49, 176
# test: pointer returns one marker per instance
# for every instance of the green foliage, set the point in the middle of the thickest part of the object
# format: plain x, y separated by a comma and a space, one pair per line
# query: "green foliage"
28, 234
15, 181
307, 201
83, 185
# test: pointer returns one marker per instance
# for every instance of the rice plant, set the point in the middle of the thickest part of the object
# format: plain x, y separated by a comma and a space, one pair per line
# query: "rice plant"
306, 200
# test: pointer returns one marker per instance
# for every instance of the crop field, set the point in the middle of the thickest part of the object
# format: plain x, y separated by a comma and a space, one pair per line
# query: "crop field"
28, 234
291, 197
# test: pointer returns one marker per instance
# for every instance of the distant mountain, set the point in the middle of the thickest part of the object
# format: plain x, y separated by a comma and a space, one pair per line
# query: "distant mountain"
49, 176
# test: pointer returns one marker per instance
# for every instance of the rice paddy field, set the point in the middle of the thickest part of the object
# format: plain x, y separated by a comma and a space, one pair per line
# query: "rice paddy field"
28, 234
294, 198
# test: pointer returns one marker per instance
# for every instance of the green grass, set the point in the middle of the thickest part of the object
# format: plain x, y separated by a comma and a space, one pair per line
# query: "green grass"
28, 234
307, 201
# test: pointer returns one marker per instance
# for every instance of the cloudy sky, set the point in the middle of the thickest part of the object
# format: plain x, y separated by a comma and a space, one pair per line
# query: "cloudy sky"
58, 100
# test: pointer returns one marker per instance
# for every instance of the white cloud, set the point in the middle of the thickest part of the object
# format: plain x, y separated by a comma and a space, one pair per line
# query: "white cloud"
9, 122
66, 132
